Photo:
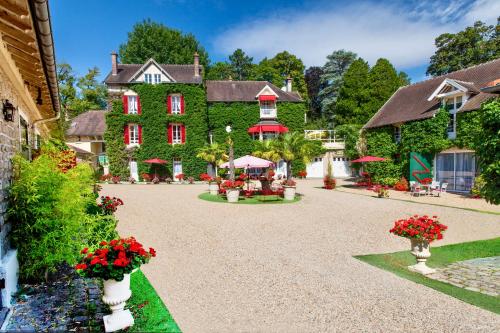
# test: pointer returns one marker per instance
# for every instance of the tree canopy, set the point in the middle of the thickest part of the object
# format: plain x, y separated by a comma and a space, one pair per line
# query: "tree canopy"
242, 64
220, 71
313, 84
472, 46
149, 39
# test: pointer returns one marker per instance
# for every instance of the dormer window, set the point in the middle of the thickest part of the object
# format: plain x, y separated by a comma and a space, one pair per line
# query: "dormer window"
267, 106
157, 78
453, 104
148, 78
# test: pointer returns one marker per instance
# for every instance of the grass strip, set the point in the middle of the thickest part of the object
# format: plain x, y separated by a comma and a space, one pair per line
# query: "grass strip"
398, 262
246, 201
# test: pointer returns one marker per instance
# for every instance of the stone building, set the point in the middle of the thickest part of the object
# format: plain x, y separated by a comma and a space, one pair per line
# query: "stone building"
29, 103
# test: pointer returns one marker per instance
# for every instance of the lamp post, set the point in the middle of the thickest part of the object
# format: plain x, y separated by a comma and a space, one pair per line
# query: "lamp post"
231, 153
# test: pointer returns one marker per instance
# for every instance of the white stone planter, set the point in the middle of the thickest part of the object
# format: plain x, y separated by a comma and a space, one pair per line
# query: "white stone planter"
213, 188
116, 293
421, 250
289, 192
232, 195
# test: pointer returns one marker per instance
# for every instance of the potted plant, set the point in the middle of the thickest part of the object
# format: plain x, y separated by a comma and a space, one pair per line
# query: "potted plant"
191, 180
146, 177
116, 179
168, 180
232, 189
421, 230
289, 185
401, 185
106, 178
329, 182
213, 186
131, 180
302, 174
156, 180
113, 262
382, 191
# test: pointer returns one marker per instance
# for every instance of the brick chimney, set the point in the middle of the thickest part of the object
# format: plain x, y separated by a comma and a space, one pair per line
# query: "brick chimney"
114, 63
288, 85
196, 64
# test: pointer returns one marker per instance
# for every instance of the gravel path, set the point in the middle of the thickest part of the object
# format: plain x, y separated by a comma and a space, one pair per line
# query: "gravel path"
289, 268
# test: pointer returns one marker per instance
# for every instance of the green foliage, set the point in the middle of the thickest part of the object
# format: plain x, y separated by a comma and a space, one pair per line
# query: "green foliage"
354, 95
241, 64
48, 212
388, 181
333, 71
468, 129
220, 71
214, 154
472, 46
487, 147
154, 121
313, 82
149, 39
428, 136
292, 146
350, 133
380, 143
80, 94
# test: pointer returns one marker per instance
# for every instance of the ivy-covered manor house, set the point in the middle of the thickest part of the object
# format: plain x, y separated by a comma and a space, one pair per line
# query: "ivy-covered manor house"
426, 129
169, 112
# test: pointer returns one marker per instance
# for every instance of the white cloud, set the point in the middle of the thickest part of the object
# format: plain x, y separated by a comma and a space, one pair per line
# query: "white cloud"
483, 10
403, 34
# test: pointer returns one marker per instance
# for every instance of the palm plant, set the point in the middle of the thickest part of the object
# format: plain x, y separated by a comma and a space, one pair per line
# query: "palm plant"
214, 154
288, 147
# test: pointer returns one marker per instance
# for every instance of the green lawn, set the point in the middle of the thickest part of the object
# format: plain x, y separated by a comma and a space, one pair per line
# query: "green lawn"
398, 262
248, 201
150, 314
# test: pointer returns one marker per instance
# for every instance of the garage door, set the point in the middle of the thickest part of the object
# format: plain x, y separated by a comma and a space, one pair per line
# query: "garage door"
341, 167
315, 168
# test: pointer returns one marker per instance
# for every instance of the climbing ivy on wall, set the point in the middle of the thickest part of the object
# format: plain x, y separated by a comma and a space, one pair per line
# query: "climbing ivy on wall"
154, 121
380, 142
243, 115
468, 129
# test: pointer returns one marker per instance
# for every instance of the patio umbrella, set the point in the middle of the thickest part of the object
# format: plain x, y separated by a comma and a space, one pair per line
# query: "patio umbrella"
155, 161
366, 159
249, 161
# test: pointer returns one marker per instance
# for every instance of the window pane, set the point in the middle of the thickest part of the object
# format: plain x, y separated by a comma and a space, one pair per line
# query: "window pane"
464, 171
132, 104
445, 169
134, 133
458, 103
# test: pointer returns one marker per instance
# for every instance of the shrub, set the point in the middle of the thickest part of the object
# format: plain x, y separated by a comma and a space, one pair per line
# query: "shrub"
49, 213
478, 186
106, 177
401, 185
109, 205
388, 181
302, 174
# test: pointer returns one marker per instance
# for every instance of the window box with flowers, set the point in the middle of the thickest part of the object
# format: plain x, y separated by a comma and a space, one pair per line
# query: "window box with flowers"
421, 230
113, 262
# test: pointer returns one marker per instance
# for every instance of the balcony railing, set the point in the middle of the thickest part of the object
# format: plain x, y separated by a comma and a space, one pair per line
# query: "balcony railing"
325, 136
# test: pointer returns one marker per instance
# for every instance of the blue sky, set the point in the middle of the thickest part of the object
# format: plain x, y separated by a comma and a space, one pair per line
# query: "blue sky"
86, 32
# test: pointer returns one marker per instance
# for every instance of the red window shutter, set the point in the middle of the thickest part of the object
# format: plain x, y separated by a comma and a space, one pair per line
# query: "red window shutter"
169, 104
182, 104
126, 135
125, 104
169, 133
139, 108
140, 133
183, 133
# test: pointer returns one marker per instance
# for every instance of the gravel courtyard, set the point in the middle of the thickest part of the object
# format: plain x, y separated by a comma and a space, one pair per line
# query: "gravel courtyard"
289, 268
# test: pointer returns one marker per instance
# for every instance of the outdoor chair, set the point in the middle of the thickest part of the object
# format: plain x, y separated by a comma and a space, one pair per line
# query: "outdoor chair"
443, 188
417, 190
435, 187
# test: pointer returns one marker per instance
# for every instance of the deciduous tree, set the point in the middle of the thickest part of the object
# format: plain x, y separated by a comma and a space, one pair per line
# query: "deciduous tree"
220, 71
241, 64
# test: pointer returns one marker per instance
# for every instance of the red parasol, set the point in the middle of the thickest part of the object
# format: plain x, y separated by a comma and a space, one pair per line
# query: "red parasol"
155, 161
365, 159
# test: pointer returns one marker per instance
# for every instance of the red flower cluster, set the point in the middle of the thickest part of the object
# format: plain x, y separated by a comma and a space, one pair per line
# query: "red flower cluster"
302, 173
106, 177
401, 185
107, 260
243, 176
109, 205
146, 177
206, 177
419, 227
426, 180
180, 176
237, 184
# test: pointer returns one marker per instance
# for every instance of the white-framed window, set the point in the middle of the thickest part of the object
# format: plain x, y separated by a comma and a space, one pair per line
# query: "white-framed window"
176, 134
453, 104
176, 104
132, 104
397, 134
133, 132
157, 78
148, 78
267, 109
269, 135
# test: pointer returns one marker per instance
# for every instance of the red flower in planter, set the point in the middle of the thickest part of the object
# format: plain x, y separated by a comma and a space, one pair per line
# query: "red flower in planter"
419, 227
152, 252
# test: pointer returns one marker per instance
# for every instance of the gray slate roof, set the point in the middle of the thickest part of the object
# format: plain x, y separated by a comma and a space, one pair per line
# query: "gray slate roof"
180, 73
410, 102
90, 123
244, 91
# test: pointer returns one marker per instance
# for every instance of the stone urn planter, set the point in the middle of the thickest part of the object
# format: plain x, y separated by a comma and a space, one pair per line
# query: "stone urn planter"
421, 250
213, 188
116, 293
289, 192
232, 195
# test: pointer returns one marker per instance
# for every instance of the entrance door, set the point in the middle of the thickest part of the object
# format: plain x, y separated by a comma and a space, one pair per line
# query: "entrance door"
133, 170
456, 169
341, 167
315, 168
177, 167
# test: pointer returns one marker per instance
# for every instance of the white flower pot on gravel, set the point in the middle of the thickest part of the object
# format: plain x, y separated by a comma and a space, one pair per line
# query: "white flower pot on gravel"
232, 195
289, 192
213, 188
421, 250
116, 293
